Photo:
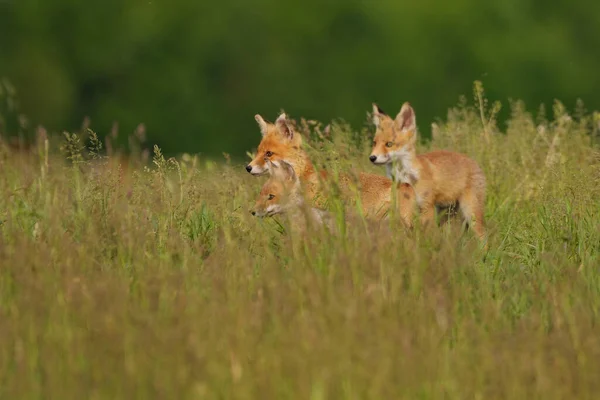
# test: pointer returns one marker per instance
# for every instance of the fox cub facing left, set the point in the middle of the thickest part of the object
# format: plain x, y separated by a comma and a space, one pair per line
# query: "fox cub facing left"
282, 194
439, 178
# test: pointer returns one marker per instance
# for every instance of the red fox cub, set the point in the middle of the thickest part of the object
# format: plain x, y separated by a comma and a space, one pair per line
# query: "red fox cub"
280, 143
439, 178
282, 194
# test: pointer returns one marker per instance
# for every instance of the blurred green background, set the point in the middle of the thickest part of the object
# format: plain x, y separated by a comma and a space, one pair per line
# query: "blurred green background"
196, 72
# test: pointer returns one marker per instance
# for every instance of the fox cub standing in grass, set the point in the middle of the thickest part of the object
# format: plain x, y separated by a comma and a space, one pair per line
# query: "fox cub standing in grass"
439, 178
280, 143
282, 194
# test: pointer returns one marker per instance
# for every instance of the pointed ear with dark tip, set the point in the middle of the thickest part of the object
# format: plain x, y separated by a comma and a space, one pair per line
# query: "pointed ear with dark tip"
377, 114
288, 171
284, 127
261, 124
406, 120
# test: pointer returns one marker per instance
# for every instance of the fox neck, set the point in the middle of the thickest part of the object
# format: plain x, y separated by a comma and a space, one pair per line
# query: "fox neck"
315, 215
303, 166
405, 166
309, 177
295, 198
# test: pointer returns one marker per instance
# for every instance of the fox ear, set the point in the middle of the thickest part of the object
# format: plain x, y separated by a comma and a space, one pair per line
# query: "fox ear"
377, 114
261, 123
284, 127
288, 171
281, 170
406, 120
270, 166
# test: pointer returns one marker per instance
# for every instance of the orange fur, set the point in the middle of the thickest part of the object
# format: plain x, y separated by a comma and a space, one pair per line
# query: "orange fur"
282, 194
439, 178
280, 143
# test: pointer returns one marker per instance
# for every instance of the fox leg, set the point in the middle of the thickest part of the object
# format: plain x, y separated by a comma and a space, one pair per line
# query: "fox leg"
427, 214
472, 211
427, 208
407, 201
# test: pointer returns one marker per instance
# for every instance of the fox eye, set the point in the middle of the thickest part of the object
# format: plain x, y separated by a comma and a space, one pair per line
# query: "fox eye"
269, 153
374, 143
271, 196
389, 144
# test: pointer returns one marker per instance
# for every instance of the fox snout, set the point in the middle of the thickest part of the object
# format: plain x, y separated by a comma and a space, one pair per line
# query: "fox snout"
259, 210
259, 213
256, 169
379, 159
270, 210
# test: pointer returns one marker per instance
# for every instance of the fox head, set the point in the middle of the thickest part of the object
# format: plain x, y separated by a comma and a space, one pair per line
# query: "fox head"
278, 141
280, 192
394, 137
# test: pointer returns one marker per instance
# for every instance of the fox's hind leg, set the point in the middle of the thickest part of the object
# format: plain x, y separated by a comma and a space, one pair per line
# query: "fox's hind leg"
471, 207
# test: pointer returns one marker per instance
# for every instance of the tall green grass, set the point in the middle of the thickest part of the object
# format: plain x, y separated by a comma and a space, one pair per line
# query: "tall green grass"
154, 281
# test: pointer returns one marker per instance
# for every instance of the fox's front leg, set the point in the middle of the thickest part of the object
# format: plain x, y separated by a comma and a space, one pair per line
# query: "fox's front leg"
407, 202
427, 209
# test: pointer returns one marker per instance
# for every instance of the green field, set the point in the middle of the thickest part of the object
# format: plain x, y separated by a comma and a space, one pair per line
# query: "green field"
154, 281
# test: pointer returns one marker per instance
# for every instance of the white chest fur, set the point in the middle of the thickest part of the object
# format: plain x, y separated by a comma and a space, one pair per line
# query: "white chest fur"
402, 168
399, 174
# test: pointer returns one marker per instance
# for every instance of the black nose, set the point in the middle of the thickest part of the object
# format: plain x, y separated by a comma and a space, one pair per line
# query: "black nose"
373, 158
248, 167
253, 212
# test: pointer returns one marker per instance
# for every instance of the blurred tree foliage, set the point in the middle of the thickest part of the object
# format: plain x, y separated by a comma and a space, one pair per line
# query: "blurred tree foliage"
195, 72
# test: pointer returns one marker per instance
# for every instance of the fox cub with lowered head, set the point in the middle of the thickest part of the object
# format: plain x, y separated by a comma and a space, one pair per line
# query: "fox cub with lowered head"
282, 194
439, 178
280, 143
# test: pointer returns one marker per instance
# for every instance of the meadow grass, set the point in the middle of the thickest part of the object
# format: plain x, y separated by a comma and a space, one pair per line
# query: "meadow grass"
156, 282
